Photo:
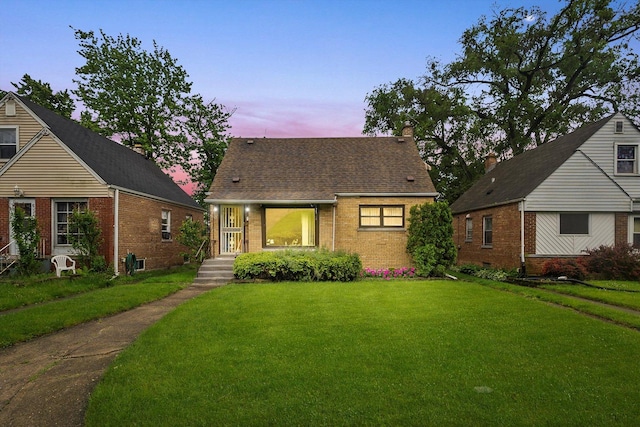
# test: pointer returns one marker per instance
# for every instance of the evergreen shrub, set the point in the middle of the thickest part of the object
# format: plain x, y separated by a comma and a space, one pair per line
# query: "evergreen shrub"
320, 265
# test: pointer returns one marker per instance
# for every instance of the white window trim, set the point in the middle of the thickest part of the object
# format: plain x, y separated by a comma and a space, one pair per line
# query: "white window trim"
615, 159
484, 243
61, 248
615, 126
467, 237
164, 230
17, 129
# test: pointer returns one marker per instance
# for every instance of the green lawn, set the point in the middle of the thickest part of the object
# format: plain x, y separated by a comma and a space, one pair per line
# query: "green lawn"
51, 305
373, 353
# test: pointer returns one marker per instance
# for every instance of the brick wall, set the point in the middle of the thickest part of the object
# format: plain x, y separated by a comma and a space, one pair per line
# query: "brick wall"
377, 248
505, 249
140, 225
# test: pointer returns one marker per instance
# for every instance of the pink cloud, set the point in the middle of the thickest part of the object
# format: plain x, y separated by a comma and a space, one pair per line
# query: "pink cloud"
296, 119
288, 119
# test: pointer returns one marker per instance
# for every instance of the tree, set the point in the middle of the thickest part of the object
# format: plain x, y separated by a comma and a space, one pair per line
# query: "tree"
204, 141
41, 93
193, 235
27, 236
86, 238
131, 95
430, 238
521, 80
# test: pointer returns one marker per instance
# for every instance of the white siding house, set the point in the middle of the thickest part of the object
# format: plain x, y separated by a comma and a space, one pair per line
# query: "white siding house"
578, 192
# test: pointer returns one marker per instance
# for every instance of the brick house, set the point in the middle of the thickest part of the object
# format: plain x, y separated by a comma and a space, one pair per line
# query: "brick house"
351, 194
575, 193
50, 165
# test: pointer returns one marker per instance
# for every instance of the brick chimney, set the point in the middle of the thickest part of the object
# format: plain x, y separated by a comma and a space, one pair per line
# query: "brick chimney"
490, 162
407, 130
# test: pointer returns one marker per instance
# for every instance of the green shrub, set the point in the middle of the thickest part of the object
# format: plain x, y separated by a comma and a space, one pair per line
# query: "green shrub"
430, 238
621, 262
27, 236
564, 267
470, 269
86, 239
491, 274
321, 265
193, 235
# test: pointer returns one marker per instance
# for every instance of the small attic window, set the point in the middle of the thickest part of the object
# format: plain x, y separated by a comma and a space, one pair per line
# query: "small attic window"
619, 126
10, 108
235, 179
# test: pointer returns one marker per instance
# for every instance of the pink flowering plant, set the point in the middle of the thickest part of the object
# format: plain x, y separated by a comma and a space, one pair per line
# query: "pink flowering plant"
389, 273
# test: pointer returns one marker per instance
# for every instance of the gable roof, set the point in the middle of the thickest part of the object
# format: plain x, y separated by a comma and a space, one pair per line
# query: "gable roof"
512, 180
315, 170
114, 163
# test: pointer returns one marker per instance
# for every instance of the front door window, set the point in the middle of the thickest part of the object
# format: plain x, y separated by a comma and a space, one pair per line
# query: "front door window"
28, 206
231, 229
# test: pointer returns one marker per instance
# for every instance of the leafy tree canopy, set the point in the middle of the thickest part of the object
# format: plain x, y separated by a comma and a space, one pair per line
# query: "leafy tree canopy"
144, 98
522, 79
41, 93
130, 94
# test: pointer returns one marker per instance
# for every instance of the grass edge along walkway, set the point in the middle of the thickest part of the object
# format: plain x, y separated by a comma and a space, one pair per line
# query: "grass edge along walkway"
620, 315
372, 353
41, 319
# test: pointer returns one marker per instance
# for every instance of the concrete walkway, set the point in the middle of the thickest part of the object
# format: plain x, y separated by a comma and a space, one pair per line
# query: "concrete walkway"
47, 381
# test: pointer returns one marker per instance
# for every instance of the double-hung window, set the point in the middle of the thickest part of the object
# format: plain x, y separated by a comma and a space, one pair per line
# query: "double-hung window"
8, 141
636, 232
166, 225
382, 216
63, 211
626, 159
469, 230
487, 231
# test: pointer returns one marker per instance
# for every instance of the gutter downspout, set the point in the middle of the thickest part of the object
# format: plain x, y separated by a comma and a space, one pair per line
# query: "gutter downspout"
333, 231
116, 226
523, 270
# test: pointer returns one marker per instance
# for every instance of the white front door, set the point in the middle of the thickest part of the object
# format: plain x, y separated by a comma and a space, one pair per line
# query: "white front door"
231, 229
29, 208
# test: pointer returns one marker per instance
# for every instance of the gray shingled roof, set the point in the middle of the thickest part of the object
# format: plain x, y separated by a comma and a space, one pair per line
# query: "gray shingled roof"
512, 180
316, 169
116, 164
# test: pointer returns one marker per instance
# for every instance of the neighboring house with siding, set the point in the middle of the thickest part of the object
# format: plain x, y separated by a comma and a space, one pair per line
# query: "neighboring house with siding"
50, 165
577, 192
351, 194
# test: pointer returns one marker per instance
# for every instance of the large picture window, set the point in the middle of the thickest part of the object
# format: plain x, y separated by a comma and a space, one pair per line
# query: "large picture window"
574, 223
290, 227
8, 142
626, 159
382, 216
63, 210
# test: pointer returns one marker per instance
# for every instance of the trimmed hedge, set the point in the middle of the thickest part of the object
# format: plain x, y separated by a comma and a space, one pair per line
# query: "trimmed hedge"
304, 266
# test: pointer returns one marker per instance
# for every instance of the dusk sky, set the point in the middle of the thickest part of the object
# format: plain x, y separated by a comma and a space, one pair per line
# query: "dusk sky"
289, 68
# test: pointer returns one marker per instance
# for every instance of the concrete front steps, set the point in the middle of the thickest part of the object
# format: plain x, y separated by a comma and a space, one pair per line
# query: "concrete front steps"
217, 270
